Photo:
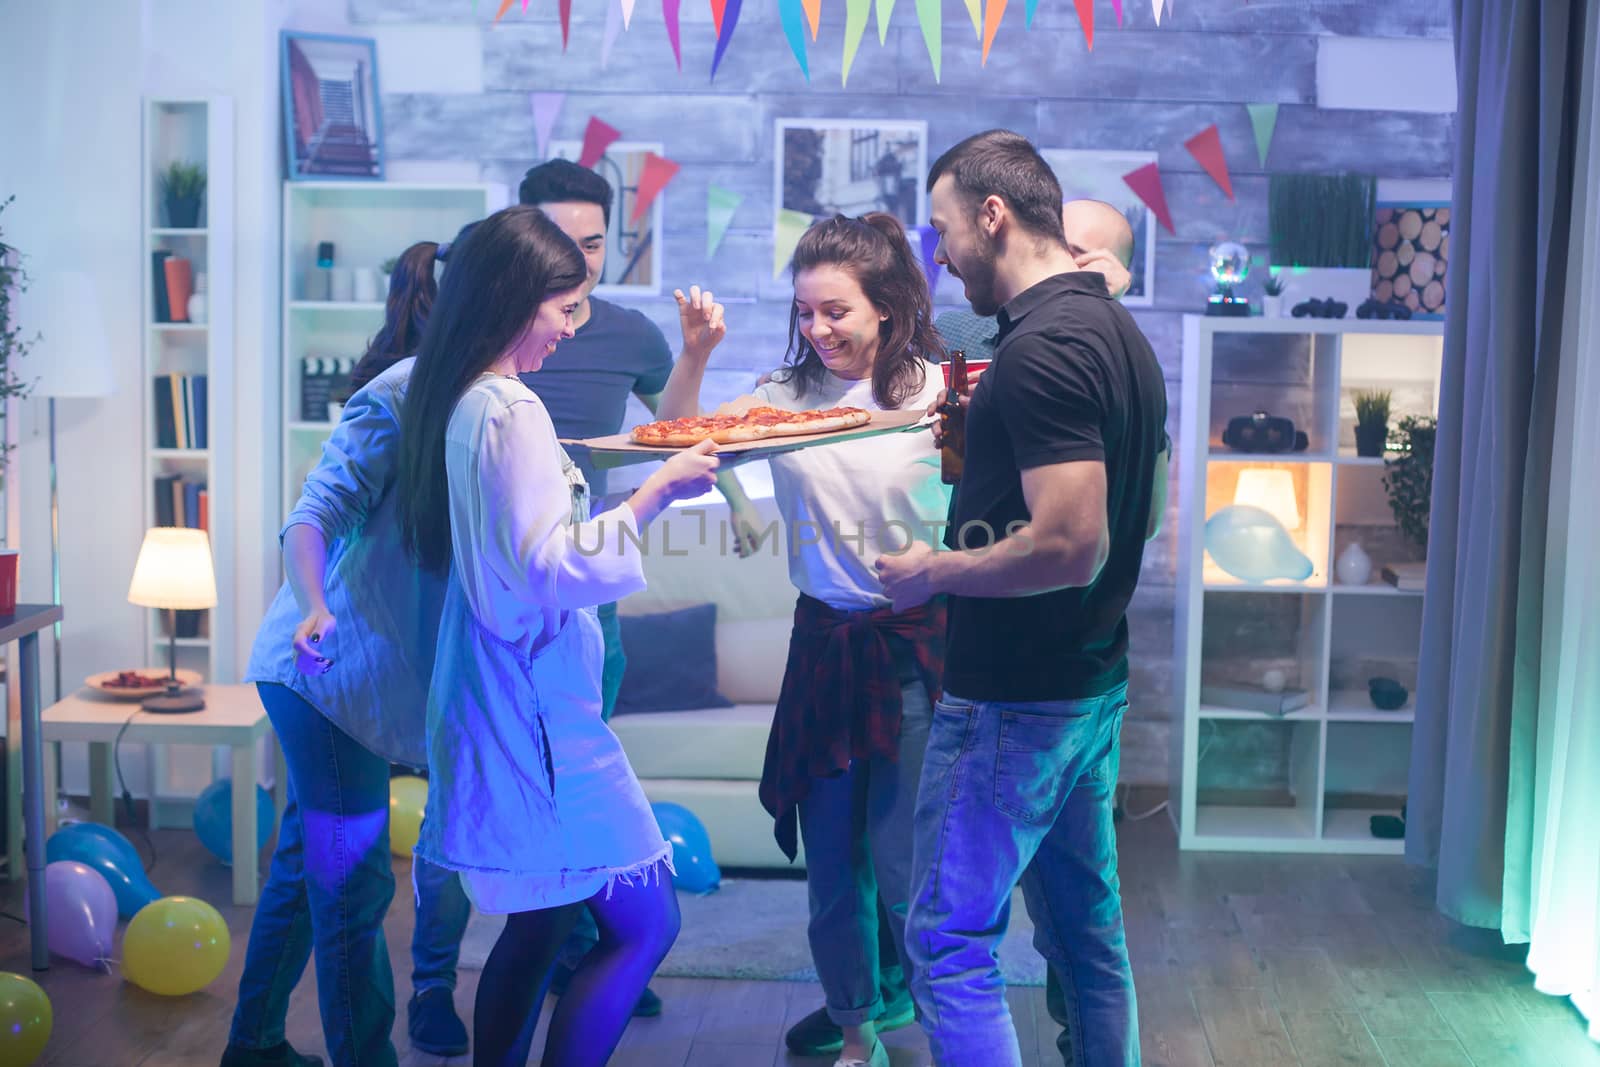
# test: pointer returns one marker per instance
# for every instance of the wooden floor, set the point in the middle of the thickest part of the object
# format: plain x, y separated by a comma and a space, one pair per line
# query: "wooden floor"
1241, 961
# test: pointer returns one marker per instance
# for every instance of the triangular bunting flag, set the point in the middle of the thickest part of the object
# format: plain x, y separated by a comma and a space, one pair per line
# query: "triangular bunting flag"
597, 137
627, 13
932, 31
930, 244
787, 231
884, 8
1146, 185
730, 19
1086, 20
524, 7
793, 20
717, 8
505, 5
1032, 6
813, 15
613, 30
653, 177
720, 205
669, 8
565, 8
855, 25
1156, 6
1116, 5
991, 25
975, 13
546, 106
1264, 120
1206, 148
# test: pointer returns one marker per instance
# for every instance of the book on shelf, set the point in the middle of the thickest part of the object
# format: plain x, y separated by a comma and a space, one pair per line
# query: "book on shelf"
158, 285
180, 401
1254, 698
1409, 577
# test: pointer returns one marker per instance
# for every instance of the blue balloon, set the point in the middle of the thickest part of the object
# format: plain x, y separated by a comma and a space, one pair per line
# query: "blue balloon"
1251, 544
696, 871
125, 848
133, 890
213, 818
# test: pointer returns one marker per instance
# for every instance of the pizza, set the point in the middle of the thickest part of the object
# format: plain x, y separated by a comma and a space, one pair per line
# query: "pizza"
754, 424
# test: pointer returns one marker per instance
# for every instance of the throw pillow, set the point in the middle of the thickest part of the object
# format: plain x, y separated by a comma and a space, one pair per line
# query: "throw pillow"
672, 662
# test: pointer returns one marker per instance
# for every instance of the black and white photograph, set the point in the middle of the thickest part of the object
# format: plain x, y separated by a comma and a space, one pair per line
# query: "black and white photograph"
849, 167
1098, 176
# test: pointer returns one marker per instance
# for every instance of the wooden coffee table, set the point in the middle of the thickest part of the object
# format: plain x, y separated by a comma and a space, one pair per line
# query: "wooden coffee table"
233, 716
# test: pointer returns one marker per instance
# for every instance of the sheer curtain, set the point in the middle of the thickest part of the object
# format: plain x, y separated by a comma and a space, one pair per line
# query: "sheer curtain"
1552, 880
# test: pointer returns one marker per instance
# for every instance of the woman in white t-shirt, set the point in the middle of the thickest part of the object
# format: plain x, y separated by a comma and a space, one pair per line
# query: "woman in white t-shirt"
845, 753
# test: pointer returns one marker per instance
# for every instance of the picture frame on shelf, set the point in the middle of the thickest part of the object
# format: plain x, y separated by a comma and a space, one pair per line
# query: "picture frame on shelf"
824, 167
1098, 175
332, 114
633, 250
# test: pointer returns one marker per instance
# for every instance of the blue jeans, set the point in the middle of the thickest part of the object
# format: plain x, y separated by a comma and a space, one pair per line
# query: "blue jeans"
1020, 793
442, 905
857, 833
331, 895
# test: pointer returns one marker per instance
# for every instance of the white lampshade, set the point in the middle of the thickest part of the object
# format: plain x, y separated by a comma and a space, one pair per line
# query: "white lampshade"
174, 570
1272, 490
72, 357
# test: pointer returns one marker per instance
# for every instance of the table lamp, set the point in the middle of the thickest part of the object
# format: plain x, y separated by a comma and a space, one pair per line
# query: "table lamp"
1272, 490
174, 573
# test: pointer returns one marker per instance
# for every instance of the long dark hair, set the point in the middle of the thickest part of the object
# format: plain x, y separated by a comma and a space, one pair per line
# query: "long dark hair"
412, 289
498, 276
874, 250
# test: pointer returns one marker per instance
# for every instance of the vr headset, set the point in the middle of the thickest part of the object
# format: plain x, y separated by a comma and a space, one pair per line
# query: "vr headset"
1263, 433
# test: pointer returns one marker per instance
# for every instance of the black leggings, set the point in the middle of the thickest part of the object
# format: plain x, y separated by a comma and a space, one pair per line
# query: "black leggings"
637, 925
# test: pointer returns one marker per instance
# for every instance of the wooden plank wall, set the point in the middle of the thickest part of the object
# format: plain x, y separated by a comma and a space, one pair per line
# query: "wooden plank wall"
1142, 88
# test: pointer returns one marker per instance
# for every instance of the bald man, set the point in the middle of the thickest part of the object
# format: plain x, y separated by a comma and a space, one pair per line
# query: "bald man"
1099, 238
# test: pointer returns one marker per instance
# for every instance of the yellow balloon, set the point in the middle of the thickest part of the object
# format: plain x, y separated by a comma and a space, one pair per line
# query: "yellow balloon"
175, 946
25, 1020
408, 795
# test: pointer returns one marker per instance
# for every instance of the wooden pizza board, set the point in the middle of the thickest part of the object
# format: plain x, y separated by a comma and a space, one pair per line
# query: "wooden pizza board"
617, 450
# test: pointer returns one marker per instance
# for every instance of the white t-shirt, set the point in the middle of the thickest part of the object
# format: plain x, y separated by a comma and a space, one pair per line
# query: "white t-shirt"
843, 505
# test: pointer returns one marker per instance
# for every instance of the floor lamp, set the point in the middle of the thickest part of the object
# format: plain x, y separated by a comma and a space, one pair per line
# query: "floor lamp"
71, 361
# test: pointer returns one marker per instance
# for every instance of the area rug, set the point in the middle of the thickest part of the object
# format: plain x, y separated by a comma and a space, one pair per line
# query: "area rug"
756, 929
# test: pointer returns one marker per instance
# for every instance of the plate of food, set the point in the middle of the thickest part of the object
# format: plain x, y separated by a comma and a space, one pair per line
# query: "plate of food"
747, 431
136, 685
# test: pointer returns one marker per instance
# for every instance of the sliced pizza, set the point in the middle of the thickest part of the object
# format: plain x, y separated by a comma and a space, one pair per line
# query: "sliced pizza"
755, 424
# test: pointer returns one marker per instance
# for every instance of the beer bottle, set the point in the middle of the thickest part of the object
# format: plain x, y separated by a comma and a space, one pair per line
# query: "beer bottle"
953, 421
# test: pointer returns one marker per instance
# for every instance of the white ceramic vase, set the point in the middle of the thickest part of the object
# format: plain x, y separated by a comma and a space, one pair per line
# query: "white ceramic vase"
1354, 566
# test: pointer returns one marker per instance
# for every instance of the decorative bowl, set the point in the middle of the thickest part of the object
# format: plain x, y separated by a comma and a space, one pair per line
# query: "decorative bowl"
1387, 694
123, 685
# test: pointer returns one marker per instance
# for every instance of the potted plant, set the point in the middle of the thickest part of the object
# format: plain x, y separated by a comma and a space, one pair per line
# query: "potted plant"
1372, 421
1408, 478
183, 190
1322, 233
14, 347
385, 270
1274, 286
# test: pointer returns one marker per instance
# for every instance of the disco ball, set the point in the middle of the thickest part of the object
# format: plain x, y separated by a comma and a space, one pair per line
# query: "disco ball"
1230, 263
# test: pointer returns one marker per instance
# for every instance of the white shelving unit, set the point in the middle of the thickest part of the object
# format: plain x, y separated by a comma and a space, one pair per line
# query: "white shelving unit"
191, 130
1308, 780
368, 223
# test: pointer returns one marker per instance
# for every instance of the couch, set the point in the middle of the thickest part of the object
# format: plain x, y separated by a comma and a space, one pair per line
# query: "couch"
709, 760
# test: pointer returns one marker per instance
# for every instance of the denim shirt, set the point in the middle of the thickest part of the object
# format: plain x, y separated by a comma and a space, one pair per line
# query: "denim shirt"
387, 609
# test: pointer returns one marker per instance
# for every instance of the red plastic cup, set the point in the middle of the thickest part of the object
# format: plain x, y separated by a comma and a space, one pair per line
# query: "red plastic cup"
8, 581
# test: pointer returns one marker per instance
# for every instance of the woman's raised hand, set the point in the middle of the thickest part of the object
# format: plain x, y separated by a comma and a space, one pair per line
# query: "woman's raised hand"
701, 319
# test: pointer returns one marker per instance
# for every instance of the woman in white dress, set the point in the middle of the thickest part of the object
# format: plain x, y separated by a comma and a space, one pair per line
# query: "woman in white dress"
531, 798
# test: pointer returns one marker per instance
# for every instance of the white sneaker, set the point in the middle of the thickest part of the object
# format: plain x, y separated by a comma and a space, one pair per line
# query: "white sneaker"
879, 1058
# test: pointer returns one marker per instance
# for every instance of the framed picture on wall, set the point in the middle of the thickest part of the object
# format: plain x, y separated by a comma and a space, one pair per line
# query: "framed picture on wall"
852, 166
1410, 255
332, 118
633, 249
1098, 176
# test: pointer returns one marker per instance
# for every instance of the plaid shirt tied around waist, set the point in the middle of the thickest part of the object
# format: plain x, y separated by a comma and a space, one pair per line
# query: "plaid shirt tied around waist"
840, 699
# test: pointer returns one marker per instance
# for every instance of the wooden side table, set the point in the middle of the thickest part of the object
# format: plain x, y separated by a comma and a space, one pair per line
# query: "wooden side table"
233, 716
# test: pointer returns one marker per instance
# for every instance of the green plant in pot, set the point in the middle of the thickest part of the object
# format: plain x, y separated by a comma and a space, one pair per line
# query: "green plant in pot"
1408, 478
1322, 233
183, 191
15, 344
1372, 421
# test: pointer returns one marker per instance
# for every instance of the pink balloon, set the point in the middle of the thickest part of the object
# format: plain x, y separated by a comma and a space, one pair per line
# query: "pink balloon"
81, 912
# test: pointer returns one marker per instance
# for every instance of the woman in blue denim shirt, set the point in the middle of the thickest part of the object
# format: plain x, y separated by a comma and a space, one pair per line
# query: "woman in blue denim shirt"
530, 796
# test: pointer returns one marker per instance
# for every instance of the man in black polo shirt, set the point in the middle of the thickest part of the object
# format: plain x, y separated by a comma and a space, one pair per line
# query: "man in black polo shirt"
1065, 479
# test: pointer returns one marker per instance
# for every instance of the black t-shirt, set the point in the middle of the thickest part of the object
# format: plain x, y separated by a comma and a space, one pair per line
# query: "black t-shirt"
585, 383
1072, 379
